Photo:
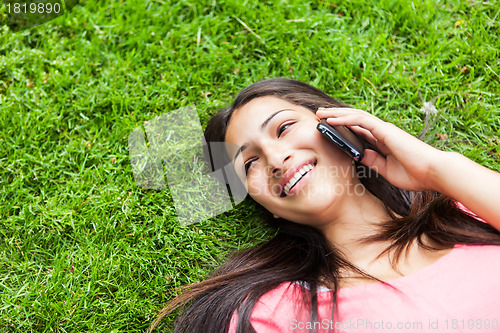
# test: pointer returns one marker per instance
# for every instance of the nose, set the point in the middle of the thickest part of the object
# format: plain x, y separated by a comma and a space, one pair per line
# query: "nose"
276, 161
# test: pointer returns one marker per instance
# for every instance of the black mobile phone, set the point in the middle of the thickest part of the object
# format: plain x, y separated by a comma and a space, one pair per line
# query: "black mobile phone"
344, 138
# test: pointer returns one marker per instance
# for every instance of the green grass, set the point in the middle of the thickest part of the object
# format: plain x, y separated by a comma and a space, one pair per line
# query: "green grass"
82, 247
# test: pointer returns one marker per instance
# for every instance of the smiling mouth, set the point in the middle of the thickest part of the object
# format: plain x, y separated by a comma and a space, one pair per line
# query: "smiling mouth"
296, 178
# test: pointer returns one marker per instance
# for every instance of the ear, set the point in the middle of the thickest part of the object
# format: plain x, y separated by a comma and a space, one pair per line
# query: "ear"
276, 216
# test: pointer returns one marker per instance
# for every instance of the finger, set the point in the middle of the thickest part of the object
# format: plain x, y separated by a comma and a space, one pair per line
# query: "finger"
363, 133
343, 112
382, 148
331, 112
373, 131
375, 161
382, 131
367, 135
390, 138
353, 118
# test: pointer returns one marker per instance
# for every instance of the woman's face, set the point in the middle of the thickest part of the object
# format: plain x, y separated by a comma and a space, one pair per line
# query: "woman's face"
286, 164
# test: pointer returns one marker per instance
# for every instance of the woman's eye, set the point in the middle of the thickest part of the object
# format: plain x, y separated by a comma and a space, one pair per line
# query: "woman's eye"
283, 128
248, 165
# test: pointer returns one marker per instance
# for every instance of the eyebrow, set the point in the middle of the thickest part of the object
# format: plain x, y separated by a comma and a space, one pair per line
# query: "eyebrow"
262, 127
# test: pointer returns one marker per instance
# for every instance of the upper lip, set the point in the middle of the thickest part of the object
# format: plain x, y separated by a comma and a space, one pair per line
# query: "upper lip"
290, 173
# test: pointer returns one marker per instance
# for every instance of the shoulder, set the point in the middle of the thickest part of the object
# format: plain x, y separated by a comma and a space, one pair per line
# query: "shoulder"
464, 260
474, 250
280, 303
478, 255
284, 293
276, 310
469, 268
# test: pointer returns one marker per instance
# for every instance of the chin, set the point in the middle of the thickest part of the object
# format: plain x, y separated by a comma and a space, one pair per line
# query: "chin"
308, 211
320, 194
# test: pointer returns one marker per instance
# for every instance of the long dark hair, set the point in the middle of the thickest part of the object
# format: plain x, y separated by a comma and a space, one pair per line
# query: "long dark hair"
302, 253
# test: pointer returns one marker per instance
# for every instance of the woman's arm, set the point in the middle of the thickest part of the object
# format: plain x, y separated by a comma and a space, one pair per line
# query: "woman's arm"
413, 165
475, 186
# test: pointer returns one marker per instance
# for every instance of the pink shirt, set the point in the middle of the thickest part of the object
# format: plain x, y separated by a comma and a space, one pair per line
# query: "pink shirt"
460, 292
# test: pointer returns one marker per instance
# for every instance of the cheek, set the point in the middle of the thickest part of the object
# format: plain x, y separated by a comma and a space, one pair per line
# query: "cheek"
330, 150
255, 189
309, 132
310, 136
256, 184
262, 190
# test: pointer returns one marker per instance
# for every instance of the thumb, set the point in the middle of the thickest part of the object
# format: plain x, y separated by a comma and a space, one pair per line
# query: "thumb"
375, 161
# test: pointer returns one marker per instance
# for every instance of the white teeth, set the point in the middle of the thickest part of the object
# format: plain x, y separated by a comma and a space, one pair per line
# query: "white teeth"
296, 177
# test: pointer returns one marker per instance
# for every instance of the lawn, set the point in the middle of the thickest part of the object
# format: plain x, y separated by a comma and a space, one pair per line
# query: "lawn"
83, 248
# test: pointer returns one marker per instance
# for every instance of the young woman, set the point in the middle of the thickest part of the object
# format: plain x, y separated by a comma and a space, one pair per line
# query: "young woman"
385, 244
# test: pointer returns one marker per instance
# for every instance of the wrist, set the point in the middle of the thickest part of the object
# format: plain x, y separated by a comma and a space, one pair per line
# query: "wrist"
439, 174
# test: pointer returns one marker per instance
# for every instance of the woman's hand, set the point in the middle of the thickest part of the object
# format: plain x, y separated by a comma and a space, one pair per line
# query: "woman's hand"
414, 165
406, 162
